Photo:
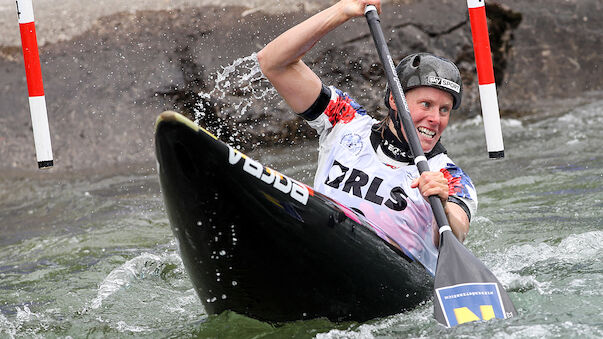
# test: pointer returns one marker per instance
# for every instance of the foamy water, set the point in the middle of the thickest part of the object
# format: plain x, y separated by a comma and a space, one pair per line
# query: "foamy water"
93, 255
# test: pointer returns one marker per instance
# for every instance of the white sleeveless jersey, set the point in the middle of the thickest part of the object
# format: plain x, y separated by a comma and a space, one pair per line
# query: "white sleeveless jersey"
350, 172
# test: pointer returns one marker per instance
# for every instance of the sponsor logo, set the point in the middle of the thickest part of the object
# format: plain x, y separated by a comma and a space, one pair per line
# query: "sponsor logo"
395, 150
356, 179
295, 189
353, 142
432, 80
470, 302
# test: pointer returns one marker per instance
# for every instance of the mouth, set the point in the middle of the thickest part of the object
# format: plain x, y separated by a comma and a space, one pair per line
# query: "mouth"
426, 132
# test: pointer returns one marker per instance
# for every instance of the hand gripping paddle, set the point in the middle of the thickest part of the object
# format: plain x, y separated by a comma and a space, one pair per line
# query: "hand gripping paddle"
465, 289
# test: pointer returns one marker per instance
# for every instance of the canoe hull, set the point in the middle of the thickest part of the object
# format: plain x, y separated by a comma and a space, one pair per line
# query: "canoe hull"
263, 245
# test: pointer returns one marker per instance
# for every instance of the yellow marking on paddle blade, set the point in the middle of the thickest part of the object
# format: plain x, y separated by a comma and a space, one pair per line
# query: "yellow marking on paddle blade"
464, 315
487, 312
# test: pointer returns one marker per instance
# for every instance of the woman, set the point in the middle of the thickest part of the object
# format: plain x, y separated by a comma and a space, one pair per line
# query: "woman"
366, 164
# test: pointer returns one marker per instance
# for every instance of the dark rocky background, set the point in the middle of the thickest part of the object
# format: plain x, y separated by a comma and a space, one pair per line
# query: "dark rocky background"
105, 86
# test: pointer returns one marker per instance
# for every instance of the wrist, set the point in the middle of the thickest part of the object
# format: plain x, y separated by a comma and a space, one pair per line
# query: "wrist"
445, 206
344, 11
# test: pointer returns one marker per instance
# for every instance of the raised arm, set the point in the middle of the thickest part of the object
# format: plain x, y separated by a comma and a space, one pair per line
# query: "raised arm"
281, 62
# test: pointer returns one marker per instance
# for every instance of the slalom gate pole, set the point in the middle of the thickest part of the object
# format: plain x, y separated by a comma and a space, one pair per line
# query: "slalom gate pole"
35, 87
485, 76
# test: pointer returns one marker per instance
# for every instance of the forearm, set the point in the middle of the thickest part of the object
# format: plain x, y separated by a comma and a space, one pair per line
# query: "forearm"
458, 220
288, 48
281, 62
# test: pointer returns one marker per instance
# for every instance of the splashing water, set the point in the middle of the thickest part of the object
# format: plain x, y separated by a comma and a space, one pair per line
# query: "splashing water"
122, 276
240, 86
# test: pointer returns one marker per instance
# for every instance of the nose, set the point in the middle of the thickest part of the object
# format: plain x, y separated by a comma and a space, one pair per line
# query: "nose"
433, 115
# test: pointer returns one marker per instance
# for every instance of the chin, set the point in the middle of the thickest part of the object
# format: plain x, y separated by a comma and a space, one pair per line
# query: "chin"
427, 147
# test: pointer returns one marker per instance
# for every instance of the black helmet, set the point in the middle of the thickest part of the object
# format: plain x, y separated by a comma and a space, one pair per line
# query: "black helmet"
425, 69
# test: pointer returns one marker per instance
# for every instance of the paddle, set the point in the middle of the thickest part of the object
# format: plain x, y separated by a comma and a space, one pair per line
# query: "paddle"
465, 289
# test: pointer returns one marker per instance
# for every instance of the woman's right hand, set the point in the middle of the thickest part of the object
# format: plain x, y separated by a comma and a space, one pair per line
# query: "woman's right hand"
281, 60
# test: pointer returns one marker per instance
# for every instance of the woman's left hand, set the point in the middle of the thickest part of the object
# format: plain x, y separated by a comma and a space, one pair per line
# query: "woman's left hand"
432, 183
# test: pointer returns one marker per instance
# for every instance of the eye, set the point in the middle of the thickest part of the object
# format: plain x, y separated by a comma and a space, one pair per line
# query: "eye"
425, 104
444, 109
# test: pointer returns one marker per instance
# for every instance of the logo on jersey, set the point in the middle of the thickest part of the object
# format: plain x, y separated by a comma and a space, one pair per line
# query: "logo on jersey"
351, 180
353, 142
396, 150
279, 181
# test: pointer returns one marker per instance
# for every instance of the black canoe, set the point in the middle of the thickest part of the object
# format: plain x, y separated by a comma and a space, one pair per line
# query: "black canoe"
261, 244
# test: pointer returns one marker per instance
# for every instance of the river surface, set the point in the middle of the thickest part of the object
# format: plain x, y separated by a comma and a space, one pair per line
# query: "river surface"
91, 254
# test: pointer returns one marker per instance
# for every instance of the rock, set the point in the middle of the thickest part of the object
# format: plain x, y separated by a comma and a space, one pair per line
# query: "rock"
105, 86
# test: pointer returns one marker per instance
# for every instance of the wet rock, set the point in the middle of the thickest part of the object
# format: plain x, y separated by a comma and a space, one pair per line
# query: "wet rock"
105, 87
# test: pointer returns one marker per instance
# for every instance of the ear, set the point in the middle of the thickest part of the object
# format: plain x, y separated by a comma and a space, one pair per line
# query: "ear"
392, 102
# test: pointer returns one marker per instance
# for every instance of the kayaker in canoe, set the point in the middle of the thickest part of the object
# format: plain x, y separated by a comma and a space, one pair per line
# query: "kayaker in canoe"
364, 163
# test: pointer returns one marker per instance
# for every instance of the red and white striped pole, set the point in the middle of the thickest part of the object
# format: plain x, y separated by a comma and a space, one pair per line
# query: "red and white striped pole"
35, 87
485, 76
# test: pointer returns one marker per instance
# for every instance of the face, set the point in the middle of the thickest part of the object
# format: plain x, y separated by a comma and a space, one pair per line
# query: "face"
430, 110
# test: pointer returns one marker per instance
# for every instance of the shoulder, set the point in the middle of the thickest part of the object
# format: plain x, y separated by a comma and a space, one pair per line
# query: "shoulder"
336, 105
342, 100
451, 170
334, 108
439, 161
462, 190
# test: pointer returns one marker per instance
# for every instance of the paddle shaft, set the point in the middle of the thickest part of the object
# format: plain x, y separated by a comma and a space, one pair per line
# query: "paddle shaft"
402, 108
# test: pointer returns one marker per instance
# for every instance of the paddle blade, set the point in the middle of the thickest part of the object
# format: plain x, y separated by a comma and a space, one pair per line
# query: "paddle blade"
465, 290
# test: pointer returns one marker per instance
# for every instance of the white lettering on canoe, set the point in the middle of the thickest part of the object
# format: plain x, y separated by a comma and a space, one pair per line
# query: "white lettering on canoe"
295, 189
233, 155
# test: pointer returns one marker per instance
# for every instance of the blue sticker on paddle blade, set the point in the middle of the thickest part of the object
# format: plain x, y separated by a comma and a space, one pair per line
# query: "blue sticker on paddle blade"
470, 302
